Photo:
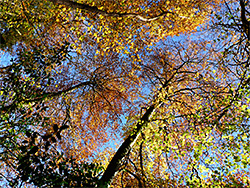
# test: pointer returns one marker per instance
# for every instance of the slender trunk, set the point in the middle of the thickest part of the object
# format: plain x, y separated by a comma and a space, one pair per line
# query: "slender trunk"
245, 22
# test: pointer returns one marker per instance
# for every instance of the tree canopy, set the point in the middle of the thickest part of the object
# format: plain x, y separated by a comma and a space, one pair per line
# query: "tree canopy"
124, 93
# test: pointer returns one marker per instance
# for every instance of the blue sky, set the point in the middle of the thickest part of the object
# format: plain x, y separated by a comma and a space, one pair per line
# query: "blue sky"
4, 59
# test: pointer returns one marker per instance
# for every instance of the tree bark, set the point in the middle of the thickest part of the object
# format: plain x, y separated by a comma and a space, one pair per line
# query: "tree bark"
245, 22
124, 149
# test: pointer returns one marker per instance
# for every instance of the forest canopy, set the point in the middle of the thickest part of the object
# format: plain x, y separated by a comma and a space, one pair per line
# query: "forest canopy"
119, 93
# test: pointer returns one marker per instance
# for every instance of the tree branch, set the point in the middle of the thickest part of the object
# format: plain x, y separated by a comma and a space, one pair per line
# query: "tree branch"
94, 9
46, 96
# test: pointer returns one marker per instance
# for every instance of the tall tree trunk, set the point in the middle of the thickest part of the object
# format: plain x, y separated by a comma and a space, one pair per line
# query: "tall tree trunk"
124, 149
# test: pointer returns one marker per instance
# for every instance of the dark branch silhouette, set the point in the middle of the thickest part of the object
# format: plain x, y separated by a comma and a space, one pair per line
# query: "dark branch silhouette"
94, 9
245, 22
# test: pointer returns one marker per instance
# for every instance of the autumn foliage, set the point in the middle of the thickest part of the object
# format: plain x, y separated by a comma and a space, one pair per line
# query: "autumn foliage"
124, 93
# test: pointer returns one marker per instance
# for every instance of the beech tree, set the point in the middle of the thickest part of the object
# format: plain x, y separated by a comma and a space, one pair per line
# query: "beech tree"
125, 93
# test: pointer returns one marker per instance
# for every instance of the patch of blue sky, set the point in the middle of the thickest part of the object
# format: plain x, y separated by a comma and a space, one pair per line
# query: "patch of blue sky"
5, 58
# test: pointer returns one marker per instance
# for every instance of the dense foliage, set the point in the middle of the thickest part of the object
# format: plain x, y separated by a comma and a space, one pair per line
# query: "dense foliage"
124, 93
